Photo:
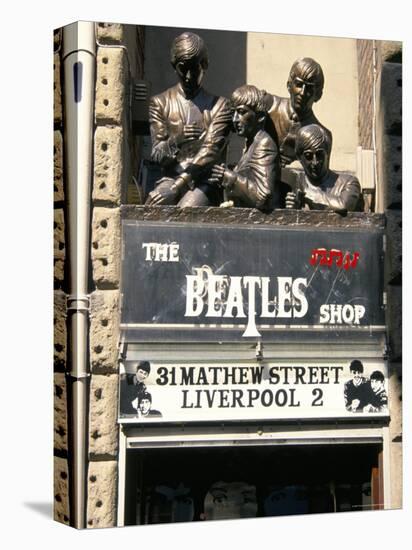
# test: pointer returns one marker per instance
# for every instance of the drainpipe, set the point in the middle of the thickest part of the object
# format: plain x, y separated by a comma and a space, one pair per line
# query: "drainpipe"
79, 83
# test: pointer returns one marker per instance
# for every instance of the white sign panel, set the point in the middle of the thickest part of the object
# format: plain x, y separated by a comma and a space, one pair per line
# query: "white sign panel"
185, 392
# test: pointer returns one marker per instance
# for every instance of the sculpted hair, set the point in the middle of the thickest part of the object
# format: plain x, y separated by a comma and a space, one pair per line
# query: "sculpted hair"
312, 136
356, 365
309, 70
189, 46
252, 97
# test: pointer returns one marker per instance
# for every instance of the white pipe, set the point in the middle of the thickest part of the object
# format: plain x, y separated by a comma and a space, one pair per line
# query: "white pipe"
79, 54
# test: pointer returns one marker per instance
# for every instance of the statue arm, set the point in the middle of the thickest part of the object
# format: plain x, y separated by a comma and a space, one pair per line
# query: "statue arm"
214, 141
164, 147
342, 200
254, 185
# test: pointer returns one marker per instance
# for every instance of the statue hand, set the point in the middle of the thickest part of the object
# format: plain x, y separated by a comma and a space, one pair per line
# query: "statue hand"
292, 201
216, 175
192, 132
162, 195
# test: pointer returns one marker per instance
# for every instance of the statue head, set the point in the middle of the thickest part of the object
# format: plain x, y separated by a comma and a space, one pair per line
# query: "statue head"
305, 84
313, 147
189, 59
250, 106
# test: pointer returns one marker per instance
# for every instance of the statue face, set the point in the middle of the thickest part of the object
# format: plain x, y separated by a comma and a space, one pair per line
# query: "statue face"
190, 74
315, 162
245, 121
302, 93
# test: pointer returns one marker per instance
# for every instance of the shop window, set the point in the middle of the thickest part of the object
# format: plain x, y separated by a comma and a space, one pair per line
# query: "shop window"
180, 485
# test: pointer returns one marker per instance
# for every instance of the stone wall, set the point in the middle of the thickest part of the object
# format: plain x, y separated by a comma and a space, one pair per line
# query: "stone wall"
388, 200
118, 62
61, 467
389, 150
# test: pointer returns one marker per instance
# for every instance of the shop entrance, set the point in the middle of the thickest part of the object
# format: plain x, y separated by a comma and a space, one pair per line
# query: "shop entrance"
207, 483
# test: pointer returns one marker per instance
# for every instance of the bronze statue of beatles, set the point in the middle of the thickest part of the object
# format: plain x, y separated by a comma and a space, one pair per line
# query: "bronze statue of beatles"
287, 115
189, 129
318, 187
254, 180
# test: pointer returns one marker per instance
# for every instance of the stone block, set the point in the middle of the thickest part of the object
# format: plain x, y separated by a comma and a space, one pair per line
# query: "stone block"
59, 245
58, 166
392, 161
395, 433
111, 85
57, 90
391, 97
102, 494
108, 164
60, 330
391, 51
60, 412
395, 399
396, 475
394, 322
61, 491
252, 217
106, 247
104, 330
57, 39
103, 428
393, 264
110, 33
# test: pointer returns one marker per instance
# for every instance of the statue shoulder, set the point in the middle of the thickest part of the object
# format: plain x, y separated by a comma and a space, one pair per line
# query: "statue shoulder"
346, 179
278, 104
164, 97
220, 103
264, 140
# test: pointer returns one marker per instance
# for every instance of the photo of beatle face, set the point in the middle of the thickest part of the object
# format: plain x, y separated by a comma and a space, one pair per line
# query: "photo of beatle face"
363, 394
135, 399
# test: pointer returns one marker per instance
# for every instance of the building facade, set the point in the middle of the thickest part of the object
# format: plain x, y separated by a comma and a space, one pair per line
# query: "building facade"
111, 471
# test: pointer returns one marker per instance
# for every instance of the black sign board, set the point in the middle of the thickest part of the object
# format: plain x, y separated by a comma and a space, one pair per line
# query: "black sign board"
201, 282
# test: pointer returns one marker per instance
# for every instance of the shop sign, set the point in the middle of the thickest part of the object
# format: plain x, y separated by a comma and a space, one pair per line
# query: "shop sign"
185, 392
191, 282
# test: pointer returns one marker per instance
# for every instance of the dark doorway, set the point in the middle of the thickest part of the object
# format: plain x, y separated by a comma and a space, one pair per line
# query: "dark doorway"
172, 485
